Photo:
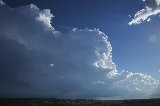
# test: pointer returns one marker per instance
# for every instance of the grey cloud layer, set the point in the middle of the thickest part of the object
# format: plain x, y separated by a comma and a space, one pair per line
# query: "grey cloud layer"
38, 61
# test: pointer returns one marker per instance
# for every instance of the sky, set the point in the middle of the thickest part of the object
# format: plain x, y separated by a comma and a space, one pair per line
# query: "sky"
99, 49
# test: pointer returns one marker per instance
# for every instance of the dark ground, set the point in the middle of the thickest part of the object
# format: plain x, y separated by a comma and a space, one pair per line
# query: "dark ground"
76, 102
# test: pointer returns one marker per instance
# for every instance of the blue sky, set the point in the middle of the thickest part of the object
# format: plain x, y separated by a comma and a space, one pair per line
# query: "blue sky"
135, 47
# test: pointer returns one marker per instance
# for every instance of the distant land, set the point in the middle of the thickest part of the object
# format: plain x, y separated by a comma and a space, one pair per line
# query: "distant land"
76, 102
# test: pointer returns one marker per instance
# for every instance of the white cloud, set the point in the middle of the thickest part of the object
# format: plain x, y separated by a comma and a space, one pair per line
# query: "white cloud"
129, 16
99, 82
148, 20
45, 17
2, 3
81, 58
158, 2
152, 8
137, 83
51, 65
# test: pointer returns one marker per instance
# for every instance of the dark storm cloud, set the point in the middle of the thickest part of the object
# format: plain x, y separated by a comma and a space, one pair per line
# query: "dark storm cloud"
30, 44
38, 61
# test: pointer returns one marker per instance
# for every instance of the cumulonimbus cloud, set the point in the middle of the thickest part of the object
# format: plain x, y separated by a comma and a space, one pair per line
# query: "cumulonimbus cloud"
38, 61
152, 7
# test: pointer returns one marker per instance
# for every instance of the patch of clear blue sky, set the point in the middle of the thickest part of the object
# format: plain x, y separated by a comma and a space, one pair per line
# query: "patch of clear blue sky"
132, 50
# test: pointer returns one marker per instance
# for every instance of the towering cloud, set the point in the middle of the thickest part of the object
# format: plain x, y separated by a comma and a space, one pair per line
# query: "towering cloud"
38, 61
152, 7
